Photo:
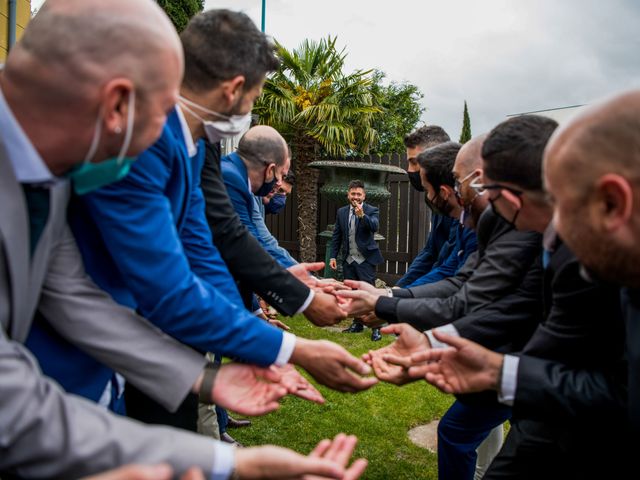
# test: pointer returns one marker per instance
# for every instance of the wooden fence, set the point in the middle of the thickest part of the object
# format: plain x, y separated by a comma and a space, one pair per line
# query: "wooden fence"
403, 222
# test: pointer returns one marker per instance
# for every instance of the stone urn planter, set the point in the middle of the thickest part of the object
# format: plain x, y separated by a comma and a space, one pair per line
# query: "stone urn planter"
338, 174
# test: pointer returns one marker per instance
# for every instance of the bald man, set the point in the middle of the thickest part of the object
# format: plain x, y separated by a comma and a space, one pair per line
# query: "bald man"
73, 107
592, 172
257, 167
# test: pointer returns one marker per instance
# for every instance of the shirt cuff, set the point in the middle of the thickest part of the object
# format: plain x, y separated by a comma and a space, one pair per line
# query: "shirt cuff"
257, 312
307, 302
509, 380
224, 461
286, 349
449, 329
401, 293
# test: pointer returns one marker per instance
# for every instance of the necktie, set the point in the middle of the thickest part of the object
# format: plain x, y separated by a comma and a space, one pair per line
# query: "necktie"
352, 220
38, 207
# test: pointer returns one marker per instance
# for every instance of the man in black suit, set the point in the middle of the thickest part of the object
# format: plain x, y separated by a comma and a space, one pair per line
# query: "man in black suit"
592, 171
356, 225
564, 397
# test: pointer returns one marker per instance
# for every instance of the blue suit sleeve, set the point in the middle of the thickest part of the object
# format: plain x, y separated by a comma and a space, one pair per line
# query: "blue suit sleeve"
243, 204
421, 265
136, 221
267, 240
370, 220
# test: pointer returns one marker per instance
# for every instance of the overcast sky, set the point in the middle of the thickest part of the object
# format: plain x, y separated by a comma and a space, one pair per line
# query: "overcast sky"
502, 56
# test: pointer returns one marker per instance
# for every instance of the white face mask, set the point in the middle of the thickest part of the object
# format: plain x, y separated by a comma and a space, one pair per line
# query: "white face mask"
229, 126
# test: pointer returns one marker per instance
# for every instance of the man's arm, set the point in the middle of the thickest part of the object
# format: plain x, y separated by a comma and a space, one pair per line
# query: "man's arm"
370, 220
247, 261
135, 220
271, 245
500, 272
336, 237
48, 434
114, 335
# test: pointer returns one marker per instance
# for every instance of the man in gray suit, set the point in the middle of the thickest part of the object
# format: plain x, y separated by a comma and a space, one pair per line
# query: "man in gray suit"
76, 72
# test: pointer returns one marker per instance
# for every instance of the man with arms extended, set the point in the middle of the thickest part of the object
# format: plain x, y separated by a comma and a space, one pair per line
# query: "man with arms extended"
60, 98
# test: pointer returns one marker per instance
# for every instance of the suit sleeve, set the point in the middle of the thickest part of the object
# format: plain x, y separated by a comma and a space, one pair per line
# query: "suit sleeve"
499, 272
594, 394
87, 317
247, 261
336, 237
512, 319
370, 220
243, 204
136, 222
267, 240
423, 262
46, 433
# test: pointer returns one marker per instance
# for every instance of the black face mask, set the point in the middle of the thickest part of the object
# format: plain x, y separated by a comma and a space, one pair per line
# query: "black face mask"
511, 222
438, 205
414, 179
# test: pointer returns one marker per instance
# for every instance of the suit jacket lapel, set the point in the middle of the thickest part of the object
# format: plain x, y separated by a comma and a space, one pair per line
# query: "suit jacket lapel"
14, 230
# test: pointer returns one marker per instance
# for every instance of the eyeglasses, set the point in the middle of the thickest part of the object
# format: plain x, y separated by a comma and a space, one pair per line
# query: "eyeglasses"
482, 188
458, 183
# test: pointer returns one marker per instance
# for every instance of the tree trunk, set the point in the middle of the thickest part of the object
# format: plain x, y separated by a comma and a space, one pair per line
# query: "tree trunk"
307, 198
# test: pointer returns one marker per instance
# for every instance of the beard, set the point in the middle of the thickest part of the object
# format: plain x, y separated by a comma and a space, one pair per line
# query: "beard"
607, 261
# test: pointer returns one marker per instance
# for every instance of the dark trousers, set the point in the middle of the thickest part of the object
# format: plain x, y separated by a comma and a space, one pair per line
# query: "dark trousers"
365, 272
144, 409
460, 432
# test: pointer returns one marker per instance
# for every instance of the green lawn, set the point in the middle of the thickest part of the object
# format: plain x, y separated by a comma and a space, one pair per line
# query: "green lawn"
380, 417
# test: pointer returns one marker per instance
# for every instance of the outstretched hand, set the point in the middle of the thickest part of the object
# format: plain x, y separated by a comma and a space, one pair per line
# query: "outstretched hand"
467, 367
247, 389
328, 460
391, 363
297, 385
332, 366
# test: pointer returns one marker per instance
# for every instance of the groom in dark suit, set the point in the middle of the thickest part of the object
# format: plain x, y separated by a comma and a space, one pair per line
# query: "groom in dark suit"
354, 231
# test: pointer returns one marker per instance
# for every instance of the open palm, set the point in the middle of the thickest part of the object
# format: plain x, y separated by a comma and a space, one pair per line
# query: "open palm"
247, 389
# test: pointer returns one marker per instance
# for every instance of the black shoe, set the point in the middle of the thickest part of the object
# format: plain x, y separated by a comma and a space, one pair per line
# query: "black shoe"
355, 327
226, 438
233, 423
375, 335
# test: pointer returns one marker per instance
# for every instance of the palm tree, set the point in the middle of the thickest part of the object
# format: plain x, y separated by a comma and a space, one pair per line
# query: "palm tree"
321, 112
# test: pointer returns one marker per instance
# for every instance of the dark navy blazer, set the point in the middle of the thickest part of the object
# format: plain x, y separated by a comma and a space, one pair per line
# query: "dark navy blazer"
365, 230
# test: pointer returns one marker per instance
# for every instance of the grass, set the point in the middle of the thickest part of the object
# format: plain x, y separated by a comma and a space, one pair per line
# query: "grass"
380, 417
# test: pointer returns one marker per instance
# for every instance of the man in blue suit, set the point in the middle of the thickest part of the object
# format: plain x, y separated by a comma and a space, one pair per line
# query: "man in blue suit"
354, 232
245, 171
145, 239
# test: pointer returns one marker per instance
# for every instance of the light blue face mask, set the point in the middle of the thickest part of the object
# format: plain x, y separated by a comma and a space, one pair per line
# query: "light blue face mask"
91, 176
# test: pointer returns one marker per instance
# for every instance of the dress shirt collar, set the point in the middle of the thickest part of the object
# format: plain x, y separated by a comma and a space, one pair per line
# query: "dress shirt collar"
186, 133
27, 164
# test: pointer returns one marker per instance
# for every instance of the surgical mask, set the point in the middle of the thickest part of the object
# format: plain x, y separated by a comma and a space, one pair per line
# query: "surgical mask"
266, 187
276, 204
229, 125
90, 176
414, 179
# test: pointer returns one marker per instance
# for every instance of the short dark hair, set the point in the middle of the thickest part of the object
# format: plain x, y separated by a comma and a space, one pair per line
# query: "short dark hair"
514, 149
221, 44
426, 136
290, 178
438, 163
356, 184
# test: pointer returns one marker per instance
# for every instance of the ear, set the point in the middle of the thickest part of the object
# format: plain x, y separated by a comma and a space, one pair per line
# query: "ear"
446, 191
115, 104
514, 199
614, 197
232, 89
